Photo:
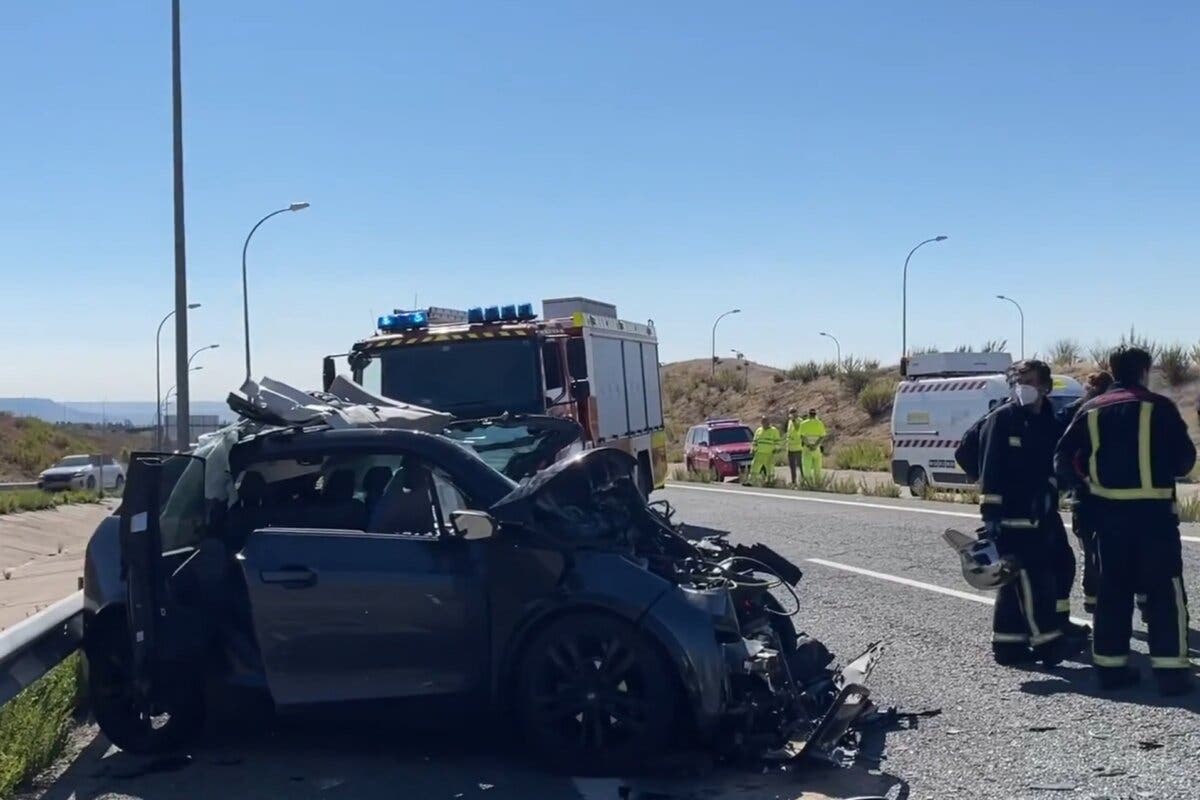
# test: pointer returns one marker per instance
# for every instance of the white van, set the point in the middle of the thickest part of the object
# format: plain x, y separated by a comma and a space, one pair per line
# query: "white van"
932, 410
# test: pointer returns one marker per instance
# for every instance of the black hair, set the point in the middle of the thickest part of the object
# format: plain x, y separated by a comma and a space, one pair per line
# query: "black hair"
1039, 368
1128, 364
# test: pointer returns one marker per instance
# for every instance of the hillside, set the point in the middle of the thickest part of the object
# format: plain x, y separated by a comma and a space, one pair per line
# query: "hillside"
29, 445
746, 390
137, 412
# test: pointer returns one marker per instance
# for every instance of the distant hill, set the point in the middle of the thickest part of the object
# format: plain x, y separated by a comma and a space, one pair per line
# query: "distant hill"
28, 445
137, 412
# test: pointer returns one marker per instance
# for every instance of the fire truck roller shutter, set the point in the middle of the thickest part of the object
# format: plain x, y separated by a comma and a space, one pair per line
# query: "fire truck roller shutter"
608, 387
654, 413
635, 390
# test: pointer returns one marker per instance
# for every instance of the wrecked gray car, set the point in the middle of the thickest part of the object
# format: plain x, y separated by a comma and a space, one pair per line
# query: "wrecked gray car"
325, 562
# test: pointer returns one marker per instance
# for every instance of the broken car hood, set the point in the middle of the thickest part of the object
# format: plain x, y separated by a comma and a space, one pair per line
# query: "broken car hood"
590, 498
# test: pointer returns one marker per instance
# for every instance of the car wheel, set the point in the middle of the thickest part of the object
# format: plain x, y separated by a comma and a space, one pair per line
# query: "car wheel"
918, 482
91, 482
714, 475
111, 694
594, 695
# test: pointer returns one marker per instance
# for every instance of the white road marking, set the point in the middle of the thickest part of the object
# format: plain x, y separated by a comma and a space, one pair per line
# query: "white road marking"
854, 503
929, 587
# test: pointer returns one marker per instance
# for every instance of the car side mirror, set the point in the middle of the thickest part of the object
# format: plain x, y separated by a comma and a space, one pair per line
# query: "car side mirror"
473, 525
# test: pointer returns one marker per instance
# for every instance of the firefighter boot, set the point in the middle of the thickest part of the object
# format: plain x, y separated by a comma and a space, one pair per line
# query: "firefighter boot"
1054, 653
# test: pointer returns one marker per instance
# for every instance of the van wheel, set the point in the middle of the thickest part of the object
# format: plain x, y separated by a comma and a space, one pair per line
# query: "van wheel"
918, 482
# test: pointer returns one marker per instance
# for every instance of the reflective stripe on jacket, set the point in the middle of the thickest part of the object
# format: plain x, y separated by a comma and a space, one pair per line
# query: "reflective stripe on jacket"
1128, 444
1016, 454
766, 439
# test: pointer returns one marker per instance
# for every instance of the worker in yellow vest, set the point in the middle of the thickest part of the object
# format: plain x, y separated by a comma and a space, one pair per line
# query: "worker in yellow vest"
766, 442
795, 445
812, 434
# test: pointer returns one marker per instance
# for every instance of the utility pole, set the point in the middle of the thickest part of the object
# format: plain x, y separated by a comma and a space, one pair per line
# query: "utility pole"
1020, 311
182, 412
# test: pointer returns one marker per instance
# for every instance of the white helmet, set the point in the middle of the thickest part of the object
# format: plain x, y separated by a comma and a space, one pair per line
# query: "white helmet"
982, 565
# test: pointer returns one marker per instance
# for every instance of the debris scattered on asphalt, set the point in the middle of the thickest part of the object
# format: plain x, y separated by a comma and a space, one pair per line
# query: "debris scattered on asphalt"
1053, 787
1113, 772
1042, 728
953, 732
1095, 735
483, 787
1150, 744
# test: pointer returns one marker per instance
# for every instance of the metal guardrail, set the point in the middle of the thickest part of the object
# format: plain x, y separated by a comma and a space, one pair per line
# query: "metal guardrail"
34, 646
14, 486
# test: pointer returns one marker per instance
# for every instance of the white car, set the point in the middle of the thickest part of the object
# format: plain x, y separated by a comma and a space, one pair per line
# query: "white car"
83, 472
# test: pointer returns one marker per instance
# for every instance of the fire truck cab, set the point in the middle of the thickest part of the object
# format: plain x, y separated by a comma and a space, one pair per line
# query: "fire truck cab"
578, 361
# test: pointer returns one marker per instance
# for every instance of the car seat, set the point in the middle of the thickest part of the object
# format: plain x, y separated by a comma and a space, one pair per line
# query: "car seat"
406, 506
374, 484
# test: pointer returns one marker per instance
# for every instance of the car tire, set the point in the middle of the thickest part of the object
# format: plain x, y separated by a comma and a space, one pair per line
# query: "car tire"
714, 475
918, 482
91, 482
594, 695
110, 693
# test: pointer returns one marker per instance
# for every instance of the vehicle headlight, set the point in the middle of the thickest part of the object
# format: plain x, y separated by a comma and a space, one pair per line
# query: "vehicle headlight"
79, 473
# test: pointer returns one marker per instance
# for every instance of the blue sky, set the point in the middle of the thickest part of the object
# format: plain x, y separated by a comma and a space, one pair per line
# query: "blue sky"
676, 158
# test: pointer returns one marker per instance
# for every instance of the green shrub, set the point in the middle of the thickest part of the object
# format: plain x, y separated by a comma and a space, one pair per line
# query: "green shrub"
1064, 352
862, 455
1133, 340
855, 374
994, 346
876, 397
34, 725
689, 476
761, 481
36, 499
879, 489
1175, 362
1196, 356
830, 369
805, 372
1099, 353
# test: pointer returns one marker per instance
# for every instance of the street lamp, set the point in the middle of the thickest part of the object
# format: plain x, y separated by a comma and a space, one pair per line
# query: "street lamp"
836, 344
201, 350
904, 303
167, 399
1020, 311
714, 336
158, 378
245, 291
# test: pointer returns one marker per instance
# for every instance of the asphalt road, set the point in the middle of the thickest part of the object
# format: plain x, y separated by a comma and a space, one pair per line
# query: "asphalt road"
874, 570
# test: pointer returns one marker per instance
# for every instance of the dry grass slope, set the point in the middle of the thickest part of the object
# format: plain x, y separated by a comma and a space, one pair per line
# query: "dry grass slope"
29, 445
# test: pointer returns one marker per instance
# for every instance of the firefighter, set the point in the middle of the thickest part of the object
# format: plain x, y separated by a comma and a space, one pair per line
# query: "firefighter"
1010, 452
812, 434
766, 442
795, 445
1082, 522
1127, 447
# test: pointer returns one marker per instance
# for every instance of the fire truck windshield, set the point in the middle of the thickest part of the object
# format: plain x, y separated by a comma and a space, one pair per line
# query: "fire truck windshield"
466, 378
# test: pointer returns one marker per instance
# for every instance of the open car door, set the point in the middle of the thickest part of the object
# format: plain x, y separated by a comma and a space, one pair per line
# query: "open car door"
162, 518
516, 445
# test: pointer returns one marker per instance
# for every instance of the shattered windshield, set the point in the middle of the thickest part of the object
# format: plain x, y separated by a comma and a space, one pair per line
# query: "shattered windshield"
516, 448
467, 378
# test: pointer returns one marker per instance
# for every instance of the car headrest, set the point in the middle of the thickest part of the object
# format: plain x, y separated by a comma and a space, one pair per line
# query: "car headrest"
376, 480
339, 485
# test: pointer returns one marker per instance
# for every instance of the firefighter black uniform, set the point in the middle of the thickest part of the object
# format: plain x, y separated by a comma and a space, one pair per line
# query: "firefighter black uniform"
1127, 447
1010, 451
1083, 522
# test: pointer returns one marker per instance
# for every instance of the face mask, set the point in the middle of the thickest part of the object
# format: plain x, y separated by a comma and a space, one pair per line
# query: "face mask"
1024, 395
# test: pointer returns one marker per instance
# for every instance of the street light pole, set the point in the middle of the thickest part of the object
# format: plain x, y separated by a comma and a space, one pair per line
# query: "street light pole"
245, 288
836, 344
904, 302
714, 336
1020, 311
201, 350
181, 303
158, 431
167, 399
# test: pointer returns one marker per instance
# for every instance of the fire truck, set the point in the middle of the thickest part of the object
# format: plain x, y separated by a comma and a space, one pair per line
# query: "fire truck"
577, 361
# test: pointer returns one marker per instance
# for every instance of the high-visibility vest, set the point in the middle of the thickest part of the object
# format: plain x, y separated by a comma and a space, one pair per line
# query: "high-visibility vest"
812, 430
766, 438
794, 437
